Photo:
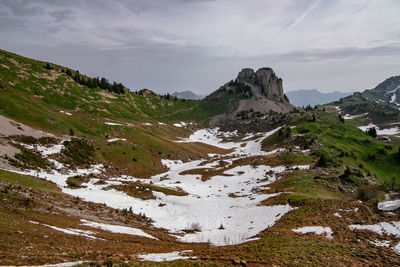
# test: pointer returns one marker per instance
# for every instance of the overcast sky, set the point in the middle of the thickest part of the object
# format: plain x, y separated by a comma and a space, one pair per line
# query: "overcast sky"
198, 45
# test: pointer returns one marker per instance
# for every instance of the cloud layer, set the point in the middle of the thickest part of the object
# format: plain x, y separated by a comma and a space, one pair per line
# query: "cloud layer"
175, 45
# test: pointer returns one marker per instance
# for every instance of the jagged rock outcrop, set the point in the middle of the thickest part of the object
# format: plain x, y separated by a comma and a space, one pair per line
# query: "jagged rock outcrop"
257, 94
269, 84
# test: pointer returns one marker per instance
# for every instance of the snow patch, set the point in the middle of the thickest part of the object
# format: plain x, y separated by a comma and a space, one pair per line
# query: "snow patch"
69, 231
116, 139
388, 228
378, 243
318, 230
113, 123
64, 264
243, 148
66, 113
387, 131
160, 257
117, 229
180, 124
349, 117
389, 205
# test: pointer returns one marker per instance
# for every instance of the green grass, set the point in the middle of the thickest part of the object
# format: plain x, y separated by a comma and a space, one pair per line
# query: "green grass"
166, 191
27, 181
349, 146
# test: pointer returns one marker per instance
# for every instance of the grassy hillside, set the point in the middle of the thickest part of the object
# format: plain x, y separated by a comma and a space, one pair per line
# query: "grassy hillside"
44, 96
343, 147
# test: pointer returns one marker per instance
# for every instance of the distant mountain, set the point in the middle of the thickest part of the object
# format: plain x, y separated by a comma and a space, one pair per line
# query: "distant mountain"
187, 95
313, 97
381, 103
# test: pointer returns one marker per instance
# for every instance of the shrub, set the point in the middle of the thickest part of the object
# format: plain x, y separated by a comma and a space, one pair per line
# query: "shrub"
372, 132
341, 119
79, 151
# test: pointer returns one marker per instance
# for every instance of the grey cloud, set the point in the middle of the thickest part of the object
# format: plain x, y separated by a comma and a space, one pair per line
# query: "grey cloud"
22, 7
340, 53
61, 15
168, 45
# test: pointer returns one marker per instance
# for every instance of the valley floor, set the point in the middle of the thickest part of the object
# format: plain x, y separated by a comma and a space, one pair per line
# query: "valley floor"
248, 204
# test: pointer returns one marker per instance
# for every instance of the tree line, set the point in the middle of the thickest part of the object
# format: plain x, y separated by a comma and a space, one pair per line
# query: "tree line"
97, 82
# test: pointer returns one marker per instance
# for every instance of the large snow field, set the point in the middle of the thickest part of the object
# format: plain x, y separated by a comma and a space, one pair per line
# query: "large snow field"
222, 210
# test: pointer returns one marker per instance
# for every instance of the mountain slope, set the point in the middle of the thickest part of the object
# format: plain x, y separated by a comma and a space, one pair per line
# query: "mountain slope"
378, 105
313, 97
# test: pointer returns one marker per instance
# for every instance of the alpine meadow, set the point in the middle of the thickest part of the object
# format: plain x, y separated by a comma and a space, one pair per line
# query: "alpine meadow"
190, 133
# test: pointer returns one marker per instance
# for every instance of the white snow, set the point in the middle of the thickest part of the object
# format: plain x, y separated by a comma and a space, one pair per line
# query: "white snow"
387, 131
337, 214
115, 139
64, 264
180, 124
147, 124
318, 230
393, 97
389, 205
364, 128
117, 229
113, 124
388, 228
69, 231
242, 148
66, 113
209, 204
378, 243
161, 123
349, 117
171, 256
397, 248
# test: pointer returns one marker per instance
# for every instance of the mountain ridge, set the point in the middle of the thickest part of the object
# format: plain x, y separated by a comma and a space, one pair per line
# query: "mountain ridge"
313, 97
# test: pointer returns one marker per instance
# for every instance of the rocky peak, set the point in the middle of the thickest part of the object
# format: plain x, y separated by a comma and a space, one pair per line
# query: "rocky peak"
247, 75
265, 79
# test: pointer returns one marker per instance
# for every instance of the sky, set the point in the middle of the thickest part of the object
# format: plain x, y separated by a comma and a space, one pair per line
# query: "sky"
198, 45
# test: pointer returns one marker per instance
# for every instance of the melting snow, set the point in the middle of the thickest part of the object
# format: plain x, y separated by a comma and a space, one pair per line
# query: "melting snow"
378, 243
388, 228
64, 264
113, 124
337, 215
69, 231
388, 131
180, 124
66, 113
147, 124
231, 199
116, 139
397, 248
318, 230
349, 117
392, 228
117, 229
389, 205
242, 148
171, 256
